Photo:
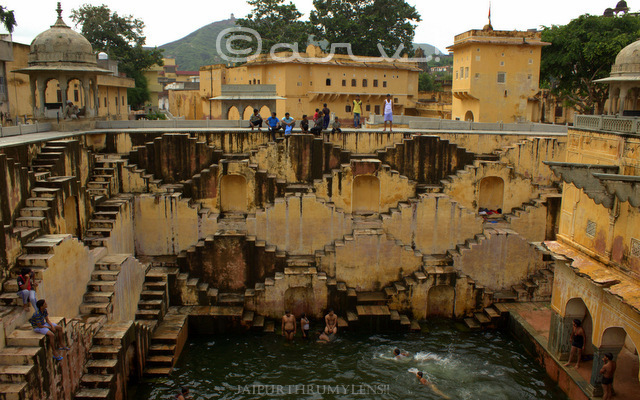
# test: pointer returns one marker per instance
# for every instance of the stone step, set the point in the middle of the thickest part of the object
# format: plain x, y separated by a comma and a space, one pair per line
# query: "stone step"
13, 391
34, 260
10, 299
404, 321
230, 298
482, 318
40, 201
97, 381
35, 212
415, 326
258, 322
101, 366
394, 315
19, 355
32, 222
372, 298
162, 349
101, 286
352, 316
472, 323
159, 361
156, 371
15, 373
44, 192
372, 310
247, 316
152, 294
492, 313
150, 304
102, 223
92, 394
148, 314
98, 297
342, 323
101, 352
102, 275
25, 338
269, 327
96, 308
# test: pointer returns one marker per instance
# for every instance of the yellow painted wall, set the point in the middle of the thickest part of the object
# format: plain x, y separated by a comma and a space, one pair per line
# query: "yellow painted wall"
18, 84
478, 57
185, 103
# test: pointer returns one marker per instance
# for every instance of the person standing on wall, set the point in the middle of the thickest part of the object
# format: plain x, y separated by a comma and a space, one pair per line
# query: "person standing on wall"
325, 120
388, 113
357, 111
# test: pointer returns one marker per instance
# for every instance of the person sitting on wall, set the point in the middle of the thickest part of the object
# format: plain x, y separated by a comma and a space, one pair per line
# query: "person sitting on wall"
331, 320
577, 342
288, 325
255, 120
27, 288
274, 125
288, 123
607, 371
41, 324
335, 126
70, 111
304, 124
317, 123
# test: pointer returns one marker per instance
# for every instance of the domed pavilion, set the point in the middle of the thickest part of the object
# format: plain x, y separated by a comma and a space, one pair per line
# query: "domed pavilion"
63, 55
624, 82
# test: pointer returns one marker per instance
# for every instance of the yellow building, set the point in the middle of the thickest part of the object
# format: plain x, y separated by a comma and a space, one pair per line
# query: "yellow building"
597, 275
304, 83
496, 75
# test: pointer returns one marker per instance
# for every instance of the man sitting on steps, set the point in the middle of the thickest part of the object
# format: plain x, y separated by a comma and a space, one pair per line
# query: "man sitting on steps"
41, 324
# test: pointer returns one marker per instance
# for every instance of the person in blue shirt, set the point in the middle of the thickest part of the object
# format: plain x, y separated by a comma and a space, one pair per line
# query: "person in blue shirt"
288, 123
274, 125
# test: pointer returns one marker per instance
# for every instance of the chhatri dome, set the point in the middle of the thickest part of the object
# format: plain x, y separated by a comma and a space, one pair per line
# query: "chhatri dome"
625, 75
61, 46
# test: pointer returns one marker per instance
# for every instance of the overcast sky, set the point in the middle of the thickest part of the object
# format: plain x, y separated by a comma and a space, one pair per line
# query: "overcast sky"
167, 21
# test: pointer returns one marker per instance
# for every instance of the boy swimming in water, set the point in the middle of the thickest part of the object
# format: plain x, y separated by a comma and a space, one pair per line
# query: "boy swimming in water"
433, 387
399, 354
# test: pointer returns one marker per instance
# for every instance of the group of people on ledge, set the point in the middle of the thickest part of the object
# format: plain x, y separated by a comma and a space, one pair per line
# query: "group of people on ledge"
290, 326
39, 321
321, 120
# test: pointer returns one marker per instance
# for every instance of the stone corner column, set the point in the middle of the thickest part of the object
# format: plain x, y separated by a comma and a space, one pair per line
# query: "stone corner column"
560, 330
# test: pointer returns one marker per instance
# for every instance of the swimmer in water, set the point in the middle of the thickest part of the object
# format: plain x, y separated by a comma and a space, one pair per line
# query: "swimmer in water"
323, 338
397, 354
433, 387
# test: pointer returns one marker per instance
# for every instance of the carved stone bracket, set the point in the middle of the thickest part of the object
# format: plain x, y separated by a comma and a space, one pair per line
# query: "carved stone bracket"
624, 187
582, 176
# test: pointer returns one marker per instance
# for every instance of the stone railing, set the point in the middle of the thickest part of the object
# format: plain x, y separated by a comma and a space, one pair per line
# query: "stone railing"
608, 123
454, 125
6, 131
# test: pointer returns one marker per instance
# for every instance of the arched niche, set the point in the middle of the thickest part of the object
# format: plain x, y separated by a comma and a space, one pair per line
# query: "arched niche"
233, 194
468, 116
365, 194
441, 301
233, 113
491, 194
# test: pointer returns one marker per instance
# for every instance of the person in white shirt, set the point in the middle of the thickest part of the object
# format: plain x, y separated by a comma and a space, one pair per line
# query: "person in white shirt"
388, 113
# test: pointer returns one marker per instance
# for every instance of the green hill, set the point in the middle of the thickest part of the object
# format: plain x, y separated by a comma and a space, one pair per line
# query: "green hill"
199, 47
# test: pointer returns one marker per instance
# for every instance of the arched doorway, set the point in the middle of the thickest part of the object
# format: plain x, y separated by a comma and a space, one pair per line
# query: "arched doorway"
366, 195
299, 300
233, 194
626, 383
468, 116
248, 111
233, 113
265, 112
71, 216
441, 301
576, 309
491, 193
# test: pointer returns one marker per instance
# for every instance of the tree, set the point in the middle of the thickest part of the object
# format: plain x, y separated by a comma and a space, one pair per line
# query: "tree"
276, 22
427, 83
582, 51
365, 23
7, 19
122, 38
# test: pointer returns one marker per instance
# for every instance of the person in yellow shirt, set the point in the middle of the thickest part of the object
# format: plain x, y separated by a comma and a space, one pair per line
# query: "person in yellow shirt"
357, 111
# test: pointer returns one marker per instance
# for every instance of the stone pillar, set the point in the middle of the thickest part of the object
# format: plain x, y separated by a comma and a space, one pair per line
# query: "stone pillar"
623, 97
560, 335
32, 97
42, 86
596, 378
85, 89
64, 85
96, 99
610, 106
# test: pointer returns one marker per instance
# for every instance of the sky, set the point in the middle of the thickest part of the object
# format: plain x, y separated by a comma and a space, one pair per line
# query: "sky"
167, 21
